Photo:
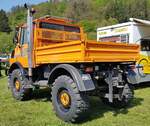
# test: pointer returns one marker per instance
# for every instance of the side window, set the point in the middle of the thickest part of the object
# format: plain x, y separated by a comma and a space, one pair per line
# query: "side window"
23, 36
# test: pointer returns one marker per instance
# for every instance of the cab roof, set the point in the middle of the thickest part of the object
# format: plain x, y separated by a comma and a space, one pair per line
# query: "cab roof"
53, 19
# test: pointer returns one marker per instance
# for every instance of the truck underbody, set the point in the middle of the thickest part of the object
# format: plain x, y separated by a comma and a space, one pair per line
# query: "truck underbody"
100, 79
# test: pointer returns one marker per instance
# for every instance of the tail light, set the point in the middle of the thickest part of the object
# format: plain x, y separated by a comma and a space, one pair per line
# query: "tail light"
132, 67
89, 69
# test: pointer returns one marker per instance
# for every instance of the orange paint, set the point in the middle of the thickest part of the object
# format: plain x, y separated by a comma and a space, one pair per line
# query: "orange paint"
53, 46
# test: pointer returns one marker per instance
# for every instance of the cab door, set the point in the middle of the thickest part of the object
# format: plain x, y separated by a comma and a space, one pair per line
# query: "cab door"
24, 47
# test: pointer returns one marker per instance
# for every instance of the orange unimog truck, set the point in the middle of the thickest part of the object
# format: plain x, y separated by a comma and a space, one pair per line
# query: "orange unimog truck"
51, 51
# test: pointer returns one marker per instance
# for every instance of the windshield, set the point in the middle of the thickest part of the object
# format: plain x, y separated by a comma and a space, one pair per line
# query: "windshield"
59, 27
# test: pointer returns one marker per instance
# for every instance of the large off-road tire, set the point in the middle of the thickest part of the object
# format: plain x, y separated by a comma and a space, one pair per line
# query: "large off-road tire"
126, 95
18, 86
69, 104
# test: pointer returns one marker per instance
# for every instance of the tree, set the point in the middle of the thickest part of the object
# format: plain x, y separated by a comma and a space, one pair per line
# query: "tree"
78, 9
116, 9
17, 16
6, 44
4, 24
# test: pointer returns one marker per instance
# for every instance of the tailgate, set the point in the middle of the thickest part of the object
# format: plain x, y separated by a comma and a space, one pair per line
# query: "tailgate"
111, 52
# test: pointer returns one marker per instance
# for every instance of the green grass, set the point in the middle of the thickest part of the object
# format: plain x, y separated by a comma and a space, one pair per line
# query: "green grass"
39, 112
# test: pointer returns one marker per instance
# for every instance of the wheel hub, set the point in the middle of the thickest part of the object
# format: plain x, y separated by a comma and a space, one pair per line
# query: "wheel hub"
65, 99
17, 85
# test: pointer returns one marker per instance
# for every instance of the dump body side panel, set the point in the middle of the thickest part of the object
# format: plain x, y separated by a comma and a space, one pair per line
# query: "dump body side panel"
59, 53
110, 52
78, 51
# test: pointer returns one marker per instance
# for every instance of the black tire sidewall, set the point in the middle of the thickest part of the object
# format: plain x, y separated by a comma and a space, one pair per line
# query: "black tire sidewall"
66, 84
18, 95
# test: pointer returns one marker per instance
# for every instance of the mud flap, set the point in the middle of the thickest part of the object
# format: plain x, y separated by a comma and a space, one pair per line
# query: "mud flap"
88, 82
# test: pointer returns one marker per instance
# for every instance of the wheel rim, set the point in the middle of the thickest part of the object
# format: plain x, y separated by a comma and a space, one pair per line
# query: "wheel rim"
65, 99
17, 85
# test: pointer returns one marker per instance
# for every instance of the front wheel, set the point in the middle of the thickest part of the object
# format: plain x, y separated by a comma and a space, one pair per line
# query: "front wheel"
18, 83
6, 72
69, 104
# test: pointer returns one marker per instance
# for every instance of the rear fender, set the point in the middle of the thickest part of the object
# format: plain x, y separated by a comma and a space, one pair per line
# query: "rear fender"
83, 81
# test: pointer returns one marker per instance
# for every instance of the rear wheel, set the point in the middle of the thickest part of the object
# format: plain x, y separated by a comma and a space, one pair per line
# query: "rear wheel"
69, 104
126, 95
18, 85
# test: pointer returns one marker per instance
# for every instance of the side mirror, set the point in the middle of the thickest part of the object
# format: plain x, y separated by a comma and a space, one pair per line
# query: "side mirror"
15, 40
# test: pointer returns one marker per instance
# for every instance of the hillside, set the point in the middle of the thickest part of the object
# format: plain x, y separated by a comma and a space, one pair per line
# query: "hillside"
88, 13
